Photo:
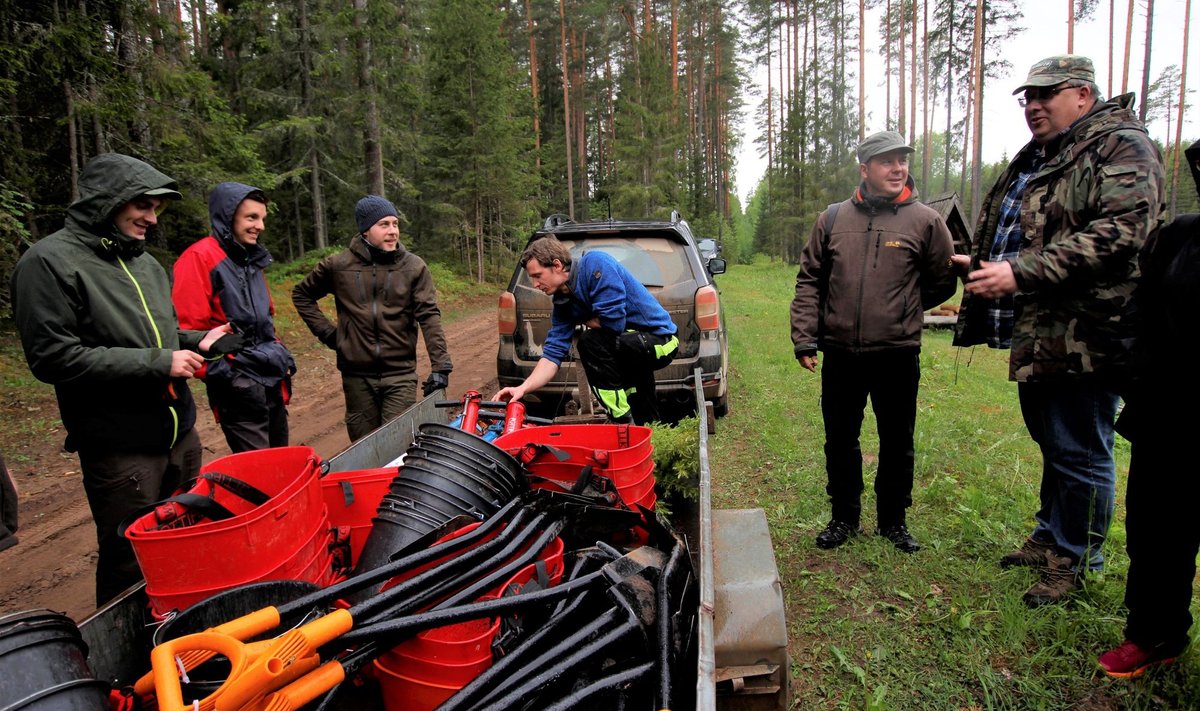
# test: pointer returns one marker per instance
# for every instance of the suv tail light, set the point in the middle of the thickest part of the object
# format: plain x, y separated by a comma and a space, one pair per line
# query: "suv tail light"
708, 308
506, 315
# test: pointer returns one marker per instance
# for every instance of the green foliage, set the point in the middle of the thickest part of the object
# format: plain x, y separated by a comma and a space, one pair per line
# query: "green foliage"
478, 146
13, 234
870, 627
649, 137
677, 458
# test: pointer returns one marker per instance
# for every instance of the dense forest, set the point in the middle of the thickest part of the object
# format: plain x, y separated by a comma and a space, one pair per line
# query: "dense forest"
939, 57
476, 118
479, 118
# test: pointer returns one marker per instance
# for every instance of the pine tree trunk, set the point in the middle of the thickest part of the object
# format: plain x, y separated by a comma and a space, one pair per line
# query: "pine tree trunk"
581, 123
675, 50
1128, 41
314, 156
926, 120
1112, 28
949, 103
912, 96
533, 90
562, 20
1187, 15
479, 240
204, 48
1146, 62
1070, 26
902, 84
783, 55
977, 138
195, 28
372, 133
180, 34
862, 70
887, 72
99, 137
156, 39
72, 139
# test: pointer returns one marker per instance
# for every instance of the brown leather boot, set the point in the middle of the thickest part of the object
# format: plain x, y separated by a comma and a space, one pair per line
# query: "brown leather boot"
1058, 580
1031, 554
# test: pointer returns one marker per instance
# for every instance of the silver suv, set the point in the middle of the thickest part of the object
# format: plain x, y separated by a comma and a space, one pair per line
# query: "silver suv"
664, 257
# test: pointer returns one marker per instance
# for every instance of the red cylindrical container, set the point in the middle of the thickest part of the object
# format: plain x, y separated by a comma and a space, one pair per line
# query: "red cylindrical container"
514, 416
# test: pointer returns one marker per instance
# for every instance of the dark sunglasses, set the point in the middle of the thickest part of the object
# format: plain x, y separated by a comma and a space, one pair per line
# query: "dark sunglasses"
1042, 95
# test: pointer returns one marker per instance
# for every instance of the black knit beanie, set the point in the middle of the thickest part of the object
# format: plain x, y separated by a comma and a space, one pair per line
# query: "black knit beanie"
372, 209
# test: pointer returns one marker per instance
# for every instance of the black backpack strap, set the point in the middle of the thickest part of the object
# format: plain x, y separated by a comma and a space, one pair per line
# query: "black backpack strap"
830, 218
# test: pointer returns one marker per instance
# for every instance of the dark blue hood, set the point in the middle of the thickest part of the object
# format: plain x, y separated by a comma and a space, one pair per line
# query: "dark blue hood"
222, 206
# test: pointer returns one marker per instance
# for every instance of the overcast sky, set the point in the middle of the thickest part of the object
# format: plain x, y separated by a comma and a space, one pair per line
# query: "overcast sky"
1004, 129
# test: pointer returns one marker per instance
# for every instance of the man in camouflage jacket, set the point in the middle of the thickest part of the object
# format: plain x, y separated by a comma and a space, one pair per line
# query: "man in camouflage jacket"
1053, 277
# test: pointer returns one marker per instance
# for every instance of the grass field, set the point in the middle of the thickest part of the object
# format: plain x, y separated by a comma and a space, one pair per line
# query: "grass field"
872, 628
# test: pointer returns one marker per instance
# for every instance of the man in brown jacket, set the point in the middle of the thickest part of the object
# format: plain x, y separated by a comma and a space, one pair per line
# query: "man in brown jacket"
382, 292
872, 266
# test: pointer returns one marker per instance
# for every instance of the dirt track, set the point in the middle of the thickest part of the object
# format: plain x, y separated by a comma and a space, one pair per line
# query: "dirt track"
53, 566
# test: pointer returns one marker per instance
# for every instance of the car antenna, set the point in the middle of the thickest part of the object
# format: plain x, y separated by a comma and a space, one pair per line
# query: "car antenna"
608, 201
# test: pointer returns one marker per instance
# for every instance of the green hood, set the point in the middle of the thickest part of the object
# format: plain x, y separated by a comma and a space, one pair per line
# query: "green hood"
107, 182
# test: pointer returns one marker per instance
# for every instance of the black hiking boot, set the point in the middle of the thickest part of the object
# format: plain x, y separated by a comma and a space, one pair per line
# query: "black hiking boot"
836, 533
900, 537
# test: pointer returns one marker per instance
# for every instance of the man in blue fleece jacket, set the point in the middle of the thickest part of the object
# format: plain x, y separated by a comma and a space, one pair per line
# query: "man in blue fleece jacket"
629, 335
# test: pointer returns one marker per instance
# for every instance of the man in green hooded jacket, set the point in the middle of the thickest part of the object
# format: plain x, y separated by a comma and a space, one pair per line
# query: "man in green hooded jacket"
96, 321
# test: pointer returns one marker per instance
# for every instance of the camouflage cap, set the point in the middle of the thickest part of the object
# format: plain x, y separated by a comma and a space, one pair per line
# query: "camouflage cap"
880, 143
1055, 70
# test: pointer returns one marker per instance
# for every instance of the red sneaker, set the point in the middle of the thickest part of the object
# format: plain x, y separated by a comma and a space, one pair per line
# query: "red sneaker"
1129, 661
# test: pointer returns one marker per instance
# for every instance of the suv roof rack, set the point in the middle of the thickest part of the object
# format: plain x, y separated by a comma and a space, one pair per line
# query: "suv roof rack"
675, 218
555, 220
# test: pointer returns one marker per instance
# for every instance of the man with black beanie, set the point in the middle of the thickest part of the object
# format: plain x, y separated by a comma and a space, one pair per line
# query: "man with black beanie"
382, 292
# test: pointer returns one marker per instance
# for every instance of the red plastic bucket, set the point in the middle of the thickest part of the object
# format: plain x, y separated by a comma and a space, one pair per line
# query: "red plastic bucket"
254, 543
312, 562
352, 499
421, 673
620, 453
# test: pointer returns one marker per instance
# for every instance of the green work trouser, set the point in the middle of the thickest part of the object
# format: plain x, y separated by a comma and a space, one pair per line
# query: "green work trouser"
371, 401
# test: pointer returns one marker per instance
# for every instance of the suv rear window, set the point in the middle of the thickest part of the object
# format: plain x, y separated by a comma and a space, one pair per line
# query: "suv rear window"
654, 261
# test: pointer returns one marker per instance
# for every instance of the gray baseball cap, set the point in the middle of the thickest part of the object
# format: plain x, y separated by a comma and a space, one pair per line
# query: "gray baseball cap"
880, 143
1053, 71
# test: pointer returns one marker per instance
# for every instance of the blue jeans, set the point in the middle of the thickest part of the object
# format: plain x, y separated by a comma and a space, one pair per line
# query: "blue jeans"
1072, 423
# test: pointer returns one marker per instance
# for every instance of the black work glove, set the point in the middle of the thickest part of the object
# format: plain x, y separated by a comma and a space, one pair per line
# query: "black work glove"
436, 381
330, 340
229, 343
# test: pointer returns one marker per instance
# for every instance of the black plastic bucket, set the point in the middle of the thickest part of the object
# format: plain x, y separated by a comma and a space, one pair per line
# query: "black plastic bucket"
444, 475
445, 502
43, 665
225, 606
444, 450
474, 444
465, 484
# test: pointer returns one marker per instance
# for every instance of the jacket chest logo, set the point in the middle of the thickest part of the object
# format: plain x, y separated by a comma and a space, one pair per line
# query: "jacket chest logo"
893, 243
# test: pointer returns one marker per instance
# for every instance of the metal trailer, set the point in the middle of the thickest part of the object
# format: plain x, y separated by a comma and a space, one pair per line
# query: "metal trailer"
742, 662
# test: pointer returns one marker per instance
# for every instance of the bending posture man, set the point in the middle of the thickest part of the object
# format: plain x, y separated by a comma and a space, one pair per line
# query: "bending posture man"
629, 335
382, 292
1053, 278
220, 279
96, 321
871, 267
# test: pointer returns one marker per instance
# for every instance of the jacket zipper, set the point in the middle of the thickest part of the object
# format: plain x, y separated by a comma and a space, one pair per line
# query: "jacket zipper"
862, 277
157, 342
